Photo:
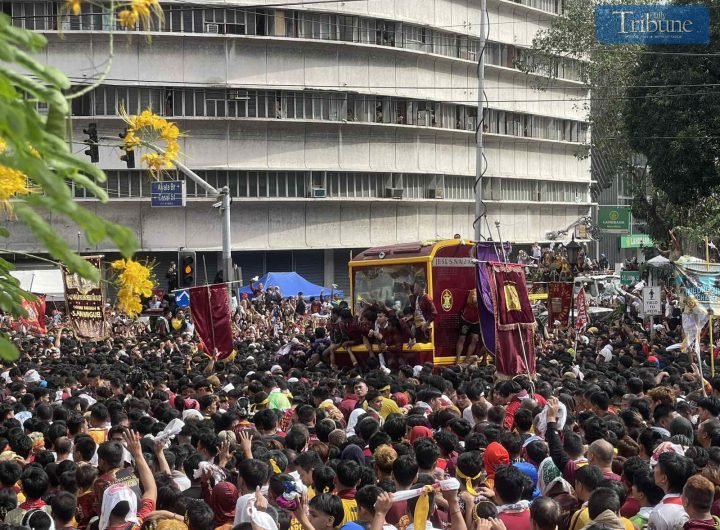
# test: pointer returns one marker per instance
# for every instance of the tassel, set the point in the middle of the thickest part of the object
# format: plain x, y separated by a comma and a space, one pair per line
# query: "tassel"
422, 508
275, 467
468, 481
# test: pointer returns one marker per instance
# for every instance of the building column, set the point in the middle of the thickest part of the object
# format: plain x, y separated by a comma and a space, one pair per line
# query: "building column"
329, 269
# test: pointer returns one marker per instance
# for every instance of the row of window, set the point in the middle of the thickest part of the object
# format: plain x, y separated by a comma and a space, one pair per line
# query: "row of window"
320, 184
324, 106
498, 189
43, 16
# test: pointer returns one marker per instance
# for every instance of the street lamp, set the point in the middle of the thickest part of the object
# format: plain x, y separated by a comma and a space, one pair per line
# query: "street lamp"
573, 250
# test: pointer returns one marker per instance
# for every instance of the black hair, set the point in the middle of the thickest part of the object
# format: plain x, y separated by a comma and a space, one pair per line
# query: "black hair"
308, 460
509, 484
63, 506
405, 470
329, 504
589, 476
253, 473
199, 515
367, 496
348, 473
426, 453
603, 499
10, 472
537, 451
323, 478
111, 453
35, 482
645, 484
677, 469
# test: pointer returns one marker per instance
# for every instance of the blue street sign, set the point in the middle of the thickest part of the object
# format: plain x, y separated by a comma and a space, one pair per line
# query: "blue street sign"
182, 298
652, 24
167, 193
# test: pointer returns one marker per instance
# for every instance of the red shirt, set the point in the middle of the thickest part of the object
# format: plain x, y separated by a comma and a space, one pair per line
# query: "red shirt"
470, 314
516, 520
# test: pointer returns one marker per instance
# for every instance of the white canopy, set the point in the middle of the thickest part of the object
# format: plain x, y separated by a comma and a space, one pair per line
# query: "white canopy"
46, 281
658, 261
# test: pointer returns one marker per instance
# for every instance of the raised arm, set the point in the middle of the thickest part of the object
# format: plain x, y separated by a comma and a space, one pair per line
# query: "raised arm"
552, 437
132, 441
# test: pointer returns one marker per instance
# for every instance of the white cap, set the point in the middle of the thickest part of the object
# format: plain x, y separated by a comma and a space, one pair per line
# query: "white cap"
250, 358
417, 369
293, 380
276, 368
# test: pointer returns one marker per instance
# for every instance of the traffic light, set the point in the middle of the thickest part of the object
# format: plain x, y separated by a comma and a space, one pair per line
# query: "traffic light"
92, 142
129, 156
186, 274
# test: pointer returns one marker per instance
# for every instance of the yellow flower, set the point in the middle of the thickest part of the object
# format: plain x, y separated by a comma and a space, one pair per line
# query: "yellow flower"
139, 10
12, 184
147, 128
127, 18
75, 6
3, 145
134, 283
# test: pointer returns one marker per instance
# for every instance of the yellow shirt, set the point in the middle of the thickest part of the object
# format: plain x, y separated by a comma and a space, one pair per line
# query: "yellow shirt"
580, 518
350, 510
388, 407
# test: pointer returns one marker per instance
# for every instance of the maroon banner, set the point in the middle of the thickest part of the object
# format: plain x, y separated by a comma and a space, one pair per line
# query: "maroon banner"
210, 309
34, 322
581, 314
559, 303
514, 320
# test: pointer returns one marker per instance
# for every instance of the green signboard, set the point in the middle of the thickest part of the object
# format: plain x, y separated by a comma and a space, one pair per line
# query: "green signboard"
629, 277
614, 219
636, 241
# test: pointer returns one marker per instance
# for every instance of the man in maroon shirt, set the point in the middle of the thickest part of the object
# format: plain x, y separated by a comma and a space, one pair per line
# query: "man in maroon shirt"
508, 489
424, 312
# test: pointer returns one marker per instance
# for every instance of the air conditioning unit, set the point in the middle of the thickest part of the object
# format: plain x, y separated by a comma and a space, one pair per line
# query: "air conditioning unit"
436, 193
394, 193
211, 27
319, 193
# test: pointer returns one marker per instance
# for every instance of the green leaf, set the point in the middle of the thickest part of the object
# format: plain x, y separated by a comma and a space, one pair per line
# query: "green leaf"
8, 351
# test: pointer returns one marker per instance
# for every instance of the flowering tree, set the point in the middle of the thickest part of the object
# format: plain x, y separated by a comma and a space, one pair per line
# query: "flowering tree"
36, 163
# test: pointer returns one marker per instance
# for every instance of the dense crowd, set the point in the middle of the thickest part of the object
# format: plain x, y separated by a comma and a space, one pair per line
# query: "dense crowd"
617, 431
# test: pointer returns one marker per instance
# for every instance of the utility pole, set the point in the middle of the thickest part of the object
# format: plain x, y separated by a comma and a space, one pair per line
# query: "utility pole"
479, 151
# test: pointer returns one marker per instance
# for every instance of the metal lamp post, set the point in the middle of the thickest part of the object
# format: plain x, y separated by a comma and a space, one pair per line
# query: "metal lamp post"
573, 250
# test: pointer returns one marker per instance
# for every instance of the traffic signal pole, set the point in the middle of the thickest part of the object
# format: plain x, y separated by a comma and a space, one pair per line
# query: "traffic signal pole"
223, 194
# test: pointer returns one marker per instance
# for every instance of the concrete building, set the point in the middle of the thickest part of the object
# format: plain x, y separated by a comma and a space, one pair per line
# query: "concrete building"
337, 126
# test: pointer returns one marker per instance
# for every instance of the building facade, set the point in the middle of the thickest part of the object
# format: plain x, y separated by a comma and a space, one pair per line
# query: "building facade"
336, 126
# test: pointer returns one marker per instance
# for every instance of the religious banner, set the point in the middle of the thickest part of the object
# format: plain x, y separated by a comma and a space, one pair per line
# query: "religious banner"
513, 343
559, 303
34, 322
210, 307
86, 303
581, 312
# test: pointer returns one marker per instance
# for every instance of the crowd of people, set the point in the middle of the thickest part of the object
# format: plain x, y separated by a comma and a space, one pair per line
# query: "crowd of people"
615, 431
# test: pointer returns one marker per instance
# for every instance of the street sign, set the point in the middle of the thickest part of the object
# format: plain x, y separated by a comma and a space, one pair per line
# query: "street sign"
614, 220
629, 277
636, 241
651, 301
182, 298
167, 193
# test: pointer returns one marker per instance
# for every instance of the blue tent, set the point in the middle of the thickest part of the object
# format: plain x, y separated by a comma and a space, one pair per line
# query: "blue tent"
291, 283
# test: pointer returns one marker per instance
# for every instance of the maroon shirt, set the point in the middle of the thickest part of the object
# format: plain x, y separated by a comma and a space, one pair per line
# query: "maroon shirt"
516, 520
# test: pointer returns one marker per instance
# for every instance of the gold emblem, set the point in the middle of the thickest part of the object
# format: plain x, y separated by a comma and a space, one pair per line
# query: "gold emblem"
447, 300
512, 300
